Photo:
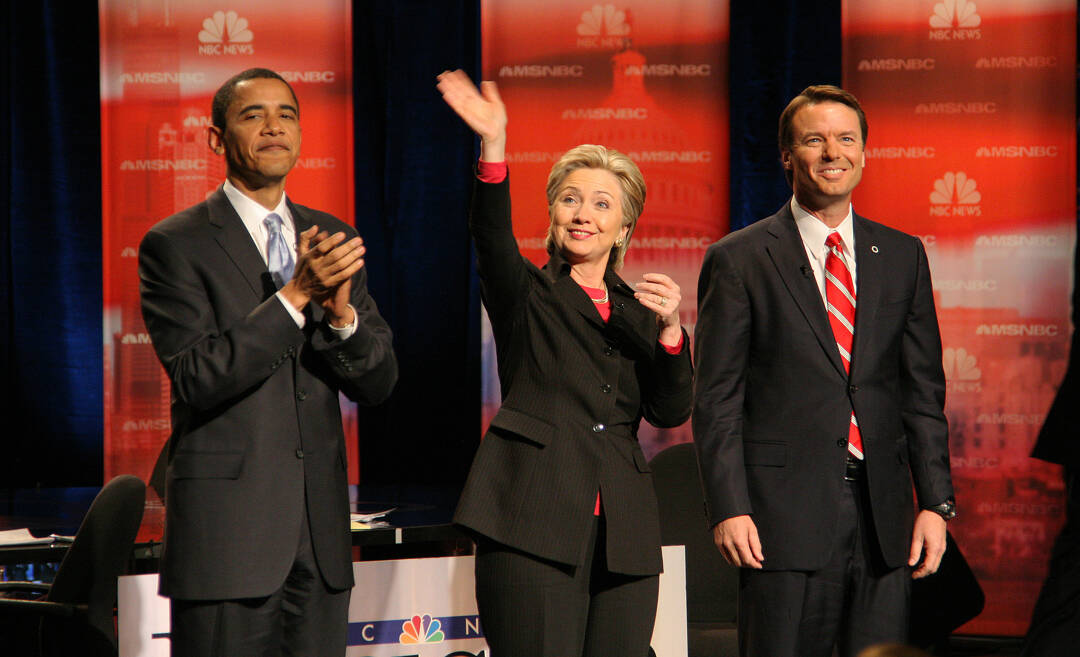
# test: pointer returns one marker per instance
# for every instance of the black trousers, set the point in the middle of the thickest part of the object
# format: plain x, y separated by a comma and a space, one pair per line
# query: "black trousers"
854, 601
303, 618
1055, 621
530, 607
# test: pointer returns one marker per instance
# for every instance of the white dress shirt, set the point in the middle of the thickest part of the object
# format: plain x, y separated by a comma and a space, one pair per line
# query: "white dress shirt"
814, 231
253, 214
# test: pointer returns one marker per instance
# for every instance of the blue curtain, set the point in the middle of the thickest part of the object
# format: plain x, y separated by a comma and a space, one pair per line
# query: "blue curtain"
50, 270
777, 50
414, 163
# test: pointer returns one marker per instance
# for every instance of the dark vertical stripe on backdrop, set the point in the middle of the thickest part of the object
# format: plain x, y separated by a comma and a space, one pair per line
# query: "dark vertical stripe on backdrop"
777, 50
414, 162
51, 267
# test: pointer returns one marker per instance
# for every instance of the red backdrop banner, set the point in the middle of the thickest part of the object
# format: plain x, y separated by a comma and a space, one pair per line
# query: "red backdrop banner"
972, 116
161, 63
646, 78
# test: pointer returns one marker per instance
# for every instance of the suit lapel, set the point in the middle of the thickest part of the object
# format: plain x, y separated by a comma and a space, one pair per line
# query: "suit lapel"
571, 294
789, 256
234, 238
869, 270
633, 322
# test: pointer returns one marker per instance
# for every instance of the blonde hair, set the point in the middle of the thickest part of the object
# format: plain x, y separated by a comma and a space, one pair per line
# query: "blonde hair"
631, 182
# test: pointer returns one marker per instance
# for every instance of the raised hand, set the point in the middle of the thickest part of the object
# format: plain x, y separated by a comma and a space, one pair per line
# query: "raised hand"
660, 294
482, 110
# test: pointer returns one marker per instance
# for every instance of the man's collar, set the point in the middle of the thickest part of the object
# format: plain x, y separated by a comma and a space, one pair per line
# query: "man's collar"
814, 231
241, 200
252, 213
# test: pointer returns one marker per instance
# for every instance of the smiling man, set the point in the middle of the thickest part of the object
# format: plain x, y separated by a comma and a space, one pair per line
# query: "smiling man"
819, 402
258, 309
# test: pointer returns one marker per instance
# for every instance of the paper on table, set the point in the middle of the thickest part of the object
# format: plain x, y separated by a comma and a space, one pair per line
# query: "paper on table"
368, 517
16, 537
369, 520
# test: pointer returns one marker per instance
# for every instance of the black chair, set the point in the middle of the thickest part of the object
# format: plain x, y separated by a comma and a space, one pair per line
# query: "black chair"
74, 615
712, 585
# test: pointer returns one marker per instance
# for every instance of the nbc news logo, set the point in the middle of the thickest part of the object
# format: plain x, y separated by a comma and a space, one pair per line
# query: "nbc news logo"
955, 20
603, 26
961, 372
225, 33
955, 195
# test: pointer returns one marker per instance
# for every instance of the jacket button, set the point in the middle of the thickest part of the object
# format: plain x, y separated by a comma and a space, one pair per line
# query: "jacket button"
853, 389
597, 428
619, 305
301, 395
299, 453
606, 387
841, 443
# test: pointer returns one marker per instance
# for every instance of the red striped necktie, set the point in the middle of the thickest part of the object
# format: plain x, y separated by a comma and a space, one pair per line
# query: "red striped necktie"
840, 304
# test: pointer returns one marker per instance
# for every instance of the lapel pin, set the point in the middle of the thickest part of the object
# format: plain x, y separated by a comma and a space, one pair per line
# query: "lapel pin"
874, 248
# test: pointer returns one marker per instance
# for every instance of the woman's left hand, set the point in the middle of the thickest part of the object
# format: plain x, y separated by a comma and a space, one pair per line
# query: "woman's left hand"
660, 294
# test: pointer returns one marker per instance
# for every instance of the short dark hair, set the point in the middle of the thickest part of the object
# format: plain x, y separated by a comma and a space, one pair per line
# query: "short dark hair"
813, 95
225, 94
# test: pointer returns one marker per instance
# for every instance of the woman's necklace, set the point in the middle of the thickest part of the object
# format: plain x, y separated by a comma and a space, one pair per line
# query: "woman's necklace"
603, 299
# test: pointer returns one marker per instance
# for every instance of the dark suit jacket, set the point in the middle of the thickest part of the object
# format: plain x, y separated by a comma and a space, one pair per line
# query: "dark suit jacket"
1059, 438
773, 401
574, 391
256, 426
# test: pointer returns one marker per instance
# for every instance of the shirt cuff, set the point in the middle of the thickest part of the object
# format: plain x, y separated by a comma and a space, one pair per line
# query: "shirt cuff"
346, 332
491, 172
677, 349
297, 316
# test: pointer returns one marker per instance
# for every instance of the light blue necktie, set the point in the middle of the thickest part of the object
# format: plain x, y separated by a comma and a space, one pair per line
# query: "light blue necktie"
279, 253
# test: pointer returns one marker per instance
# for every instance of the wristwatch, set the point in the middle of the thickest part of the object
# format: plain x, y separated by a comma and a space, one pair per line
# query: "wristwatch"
946, 509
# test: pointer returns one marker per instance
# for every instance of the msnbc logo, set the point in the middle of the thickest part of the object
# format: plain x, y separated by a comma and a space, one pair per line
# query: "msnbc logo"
422, 629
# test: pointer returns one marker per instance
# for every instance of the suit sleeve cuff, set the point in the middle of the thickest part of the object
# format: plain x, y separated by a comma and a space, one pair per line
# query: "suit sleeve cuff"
677, 349
347, 331
491, 172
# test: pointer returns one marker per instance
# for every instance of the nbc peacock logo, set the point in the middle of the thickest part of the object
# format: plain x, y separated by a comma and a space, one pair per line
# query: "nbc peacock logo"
422, 629
603, 26
955, 20
955, 195
962, 374
226, 33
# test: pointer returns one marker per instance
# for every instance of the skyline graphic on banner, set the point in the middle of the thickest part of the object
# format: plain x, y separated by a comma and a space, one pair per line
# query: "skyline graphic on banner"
647, 80
972, 147
160, 65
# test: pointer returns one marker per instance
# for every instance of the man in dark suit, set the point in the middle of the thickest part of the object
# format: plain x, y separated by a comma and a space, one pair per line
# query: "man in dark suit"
259, 311
811, 419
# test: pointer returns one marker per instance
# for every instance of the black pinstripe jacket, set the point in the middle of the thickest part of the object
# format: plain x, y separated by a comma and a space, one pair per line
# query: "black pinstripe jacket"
574, 390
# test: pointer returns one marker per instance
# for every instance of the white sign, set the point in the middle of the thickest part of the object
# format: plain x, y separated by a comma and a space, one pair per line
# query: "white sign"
402, 608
